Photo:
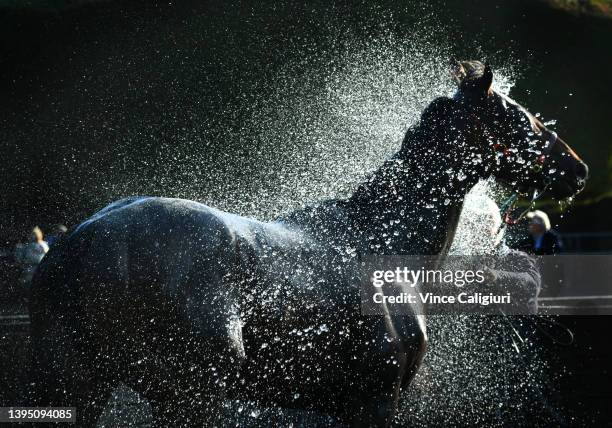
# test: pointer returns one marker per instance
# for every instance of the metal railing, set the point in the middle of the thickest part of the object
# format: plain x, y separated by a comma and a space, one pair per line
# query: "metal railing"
587, 242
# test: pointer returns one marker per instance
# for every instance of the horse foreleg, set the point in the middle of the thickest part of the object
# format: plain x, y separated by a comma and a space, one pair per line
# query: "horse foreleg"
394, 351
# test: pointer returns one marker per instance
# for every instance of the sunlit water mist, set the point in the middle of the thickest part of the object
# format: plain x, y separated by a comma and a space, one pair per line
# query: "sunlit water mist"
318, 133
307, 134
480, 370
315, 135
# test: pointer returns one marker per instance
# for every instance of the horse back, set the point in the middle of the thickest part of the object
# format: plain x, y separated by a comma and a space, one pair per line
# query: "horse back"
139, 268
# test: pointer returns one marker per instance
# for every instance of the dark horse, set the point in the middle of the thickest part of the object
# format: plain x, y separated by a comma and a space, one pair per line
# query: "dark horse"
190, 306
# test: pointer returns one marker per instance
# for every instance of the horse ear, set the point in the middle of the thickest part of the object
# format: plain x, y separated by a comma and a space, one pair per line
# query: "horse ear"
486, 81
473, 78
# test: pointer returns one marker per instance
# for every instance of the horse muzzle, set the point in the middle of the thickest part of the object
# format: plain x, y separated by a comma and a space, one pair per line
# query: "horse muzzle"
568, 182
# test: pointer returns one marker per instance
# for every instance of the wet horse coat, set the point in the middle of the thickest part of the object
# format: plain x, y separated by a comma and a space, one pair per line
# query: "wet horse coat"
188, 305
173, 287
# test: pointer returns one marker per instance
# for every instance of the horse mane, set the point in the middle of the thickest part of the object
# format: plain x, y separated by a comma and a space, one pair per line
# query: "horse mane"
421, 146
413, 193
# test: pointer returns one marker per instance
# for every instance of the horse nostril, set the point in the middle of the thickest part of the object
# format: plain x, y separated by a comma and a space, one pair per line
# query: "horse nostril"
582, 171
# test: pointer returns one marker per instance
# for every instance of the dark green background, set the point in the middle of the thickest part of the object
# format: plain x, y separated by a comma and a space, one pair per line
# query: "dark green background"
92, 92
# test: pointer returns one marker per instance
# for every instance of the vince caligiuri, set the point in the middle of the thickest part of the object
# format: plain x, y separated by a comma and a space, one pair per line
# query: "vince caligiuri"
434, 299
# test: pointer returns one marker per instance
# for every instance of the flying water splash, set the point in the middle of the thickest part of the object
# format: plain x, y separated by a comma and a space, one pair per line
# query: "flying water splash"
316, 134
304, 133
320, 131
481, 370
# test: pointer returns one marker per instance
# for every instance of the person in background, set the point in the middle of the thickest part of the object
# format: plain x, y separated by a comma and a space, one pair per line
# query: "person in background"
29, 255
58, 231
542, 239
480, 233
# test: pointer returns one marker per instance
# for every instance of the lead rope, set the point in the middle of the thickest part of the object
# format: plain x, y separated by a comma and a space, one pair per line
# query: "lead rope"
507, 206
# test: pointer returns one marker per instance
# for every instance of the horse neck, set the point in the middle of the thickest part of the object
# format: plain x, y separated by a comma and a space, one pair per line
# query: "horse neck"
411, 205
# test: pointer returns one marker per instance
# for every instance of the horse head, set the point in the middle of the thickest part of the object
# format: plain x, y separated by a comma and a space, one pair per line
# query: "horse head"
458, 141
516, 148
